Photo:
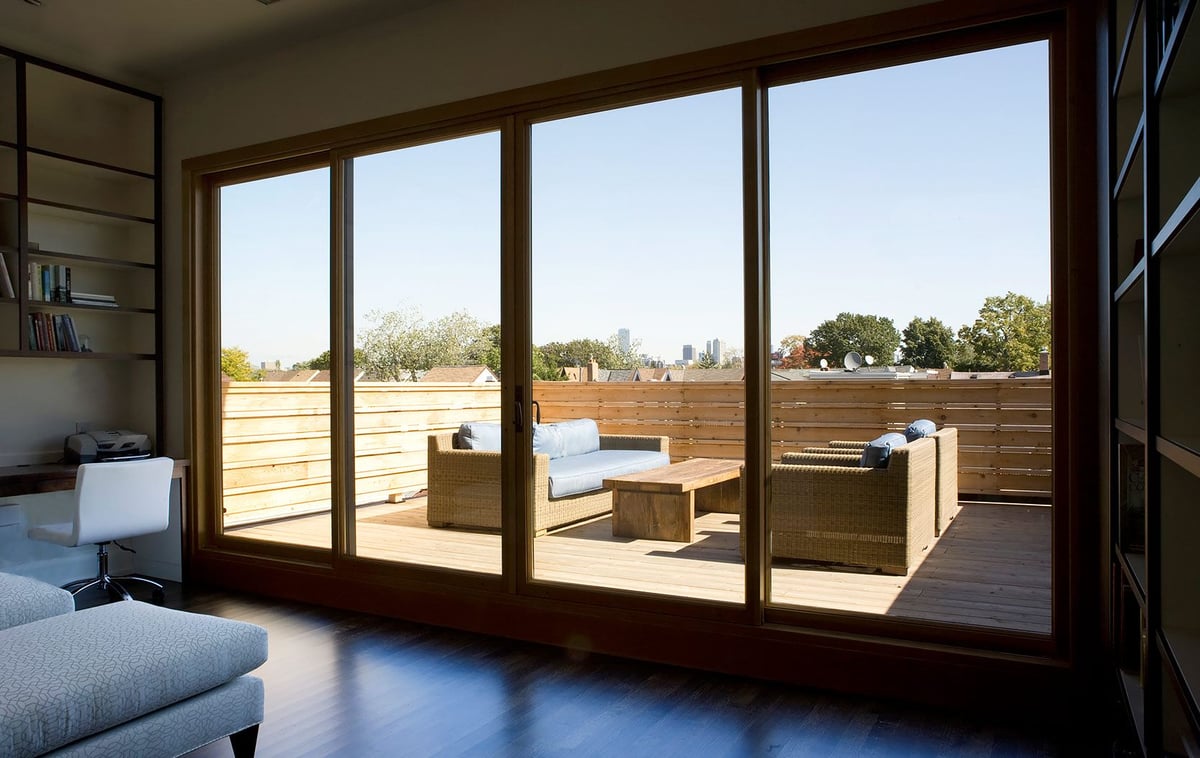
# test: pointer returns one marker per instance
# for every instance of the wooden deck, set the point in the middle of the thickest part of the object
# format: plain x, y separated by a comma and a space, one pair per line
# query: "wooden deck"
991, 568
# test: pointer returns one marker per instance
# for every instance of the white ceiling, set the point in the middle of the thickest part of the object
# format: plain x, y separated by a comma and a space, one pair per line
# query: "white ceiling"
148, 42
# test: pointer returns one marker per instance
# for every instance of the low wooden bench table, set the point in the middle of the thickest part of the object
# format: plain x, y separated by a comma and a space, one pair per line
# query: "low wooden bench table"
661, 503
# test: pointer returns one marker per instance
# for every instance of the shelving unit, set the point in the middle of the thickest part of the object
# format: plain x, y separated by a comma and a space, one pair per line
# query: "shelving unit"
80, 189
1154, 268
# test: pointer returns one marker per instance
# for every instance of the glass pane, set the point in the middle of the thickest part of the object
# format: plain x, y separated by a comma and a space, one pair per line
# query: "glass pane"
275, 423
637, 324
910, 280
426, 252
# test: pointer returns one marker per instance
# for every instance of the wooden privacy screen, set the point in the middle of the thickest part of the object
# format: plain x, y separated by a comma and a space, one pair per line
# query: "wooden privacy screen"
276, 438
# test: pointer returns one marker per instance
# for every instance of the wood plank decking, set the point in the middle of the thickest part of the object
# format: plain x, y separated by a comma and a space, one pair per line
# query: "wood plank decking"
991, 568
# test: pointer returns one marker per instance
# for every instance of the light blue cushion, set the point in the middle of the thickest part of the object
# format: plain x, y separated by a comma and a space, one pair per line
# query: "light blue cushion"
69, 676
547, 439
579, 436
922, 427
23, 600
875, 454
574, 474
479, 435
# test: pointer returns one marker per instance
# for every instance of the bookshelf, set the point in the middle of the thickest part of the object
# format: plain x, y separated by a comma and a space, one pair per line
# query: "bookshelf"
1154, 271
80, 193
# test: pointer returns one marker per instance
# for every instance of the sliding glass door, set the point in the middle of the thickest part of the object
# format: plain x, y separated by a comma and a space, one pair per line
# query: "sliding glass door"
423, 248
276, 444
637, 330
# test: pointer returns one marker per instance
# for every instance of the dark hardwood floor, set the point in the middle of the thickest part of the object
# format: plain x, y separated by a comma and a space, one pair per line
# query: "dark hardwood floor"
350, 684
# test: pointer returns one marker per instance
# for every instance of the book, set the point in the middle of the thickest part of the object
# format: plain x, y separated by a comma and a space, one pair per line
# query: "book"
6, 284
47, 283
92, 296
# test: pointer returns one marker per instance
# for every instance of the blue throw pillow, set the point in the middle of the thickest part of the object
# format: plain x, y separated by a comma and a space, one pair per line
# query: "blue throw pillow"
547, 439
922, 427
479, 435
877, 451
579, 436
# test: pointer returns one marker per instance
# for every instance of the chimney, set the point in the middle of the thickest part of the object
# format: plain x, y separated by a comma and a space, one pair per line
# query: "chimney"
593, 370
1044, 361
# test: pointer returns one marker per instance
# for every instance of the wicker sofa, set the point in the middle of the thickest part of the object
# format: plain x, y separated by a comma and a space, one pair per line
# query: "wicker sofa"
464, 484
946, 505
879, 518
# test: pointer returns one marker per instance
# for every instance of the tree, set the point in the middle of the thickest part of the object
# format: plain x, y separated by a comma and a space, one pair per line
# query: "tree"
578, 352
797, 353
928, 343
235, 364
866, 335
623, 359
1008, 335
402, 344
705, 360
323, 362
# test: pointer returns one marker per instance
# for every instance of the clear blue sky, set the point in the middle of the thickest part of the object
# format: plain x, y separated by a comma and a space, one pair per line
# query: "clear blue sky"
912, 191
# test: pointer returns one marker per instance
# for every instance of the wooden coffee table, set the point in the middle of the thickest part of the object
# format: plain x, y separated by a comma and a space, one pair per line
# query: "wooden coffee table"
661, 503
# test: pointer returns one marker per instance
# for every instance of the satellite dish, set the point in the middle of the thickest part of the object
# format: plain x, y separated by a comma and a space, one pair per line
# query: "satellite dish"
852, 360
870, 359
824, 364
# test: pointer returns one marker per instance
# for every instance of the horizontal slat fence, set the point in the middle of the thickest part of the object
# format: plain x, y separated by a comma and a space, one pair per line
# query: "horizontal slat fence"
277, 441
1004, 424
276, 438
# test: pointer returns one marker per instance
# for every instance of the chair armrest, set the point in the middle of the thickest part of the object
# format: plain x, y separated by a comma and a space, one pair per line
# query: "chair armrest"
635, 442
822, 456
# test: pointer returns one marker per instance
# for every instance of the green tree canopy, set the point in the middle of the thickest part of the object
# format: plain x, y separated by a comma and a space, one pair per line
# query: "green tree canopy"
1008, 335
235, 364
867, 335
705, 360
578, 352
928, 343
323, 362
401, 343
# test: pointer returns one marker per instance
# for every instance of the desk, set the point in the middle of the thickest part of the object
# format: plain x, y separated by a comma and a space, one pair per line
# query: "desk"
56, 477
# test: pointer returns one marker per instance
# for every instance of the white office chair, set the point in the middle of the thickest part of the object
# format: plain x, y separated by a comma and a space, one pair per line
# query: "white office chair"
114, 500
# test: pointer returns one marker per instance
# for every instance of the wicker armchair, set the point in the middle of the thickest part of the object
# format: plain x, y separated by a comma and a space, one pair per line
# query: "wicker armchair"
946, 505
464, 485
822, 509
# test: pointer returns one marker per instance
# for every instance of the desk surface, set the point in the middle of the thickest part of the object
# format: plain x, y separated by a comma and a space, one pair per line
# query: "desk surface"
50, 477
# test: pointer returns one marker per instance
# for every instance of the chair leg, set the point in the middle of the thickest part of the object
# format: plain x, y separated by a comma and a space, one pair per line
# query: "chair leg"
115, 586
82, 584
244, 742
133, 578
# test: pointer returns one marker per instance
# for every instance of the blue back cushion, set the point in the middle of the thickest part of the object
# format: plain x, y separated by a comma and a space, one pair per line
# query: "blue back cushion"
547, 439
479, 435
579, 436
875, 454
922, 427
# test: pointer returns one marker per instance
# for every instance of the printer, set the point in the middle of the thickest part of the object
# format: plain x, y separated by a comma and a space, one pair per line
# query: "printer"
101, 445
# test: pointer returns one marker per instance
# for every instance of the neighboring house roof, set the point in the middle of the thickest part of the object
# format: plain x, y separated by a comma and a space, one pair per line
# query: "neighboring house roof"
300, 375
789, 374
652, 375
464, 374
708, 375
573, 373
620, 375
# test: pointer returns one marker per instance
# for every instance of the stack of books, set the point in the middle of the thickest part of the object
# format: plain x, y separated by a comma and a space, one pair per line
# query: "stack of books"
87, 298
50, 282
54, 332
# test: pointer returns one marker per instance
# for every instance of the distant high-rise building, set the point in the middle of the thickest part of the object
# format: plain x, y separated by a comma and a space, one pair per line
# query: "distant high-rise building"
689, 353
623, 340
717, 350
